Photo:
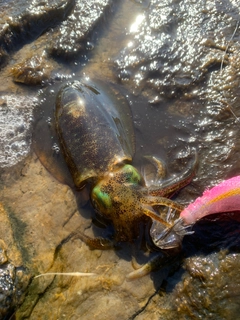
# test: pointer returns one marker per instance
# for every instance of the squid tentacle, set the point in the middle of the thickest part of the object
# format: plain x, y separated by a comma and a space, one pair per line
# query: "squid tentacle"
160, 260
95, 243
152, 214
150, 201
162, 201
173, 185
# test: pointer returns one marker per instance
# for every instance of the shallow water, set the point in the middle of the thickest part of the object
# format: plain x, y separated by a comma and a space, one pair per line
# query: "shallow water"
175, 112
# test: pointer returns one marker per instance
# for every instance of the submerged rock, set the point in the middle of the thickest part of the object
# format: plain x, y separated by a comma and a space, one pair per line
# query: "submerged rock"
23, 21
76, 32
71, 24
32, 71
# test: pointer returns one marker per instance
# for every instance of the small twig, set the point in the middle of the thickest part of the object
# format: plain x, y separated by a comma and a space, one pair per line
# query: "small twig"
73, 274
225, 52
221, 69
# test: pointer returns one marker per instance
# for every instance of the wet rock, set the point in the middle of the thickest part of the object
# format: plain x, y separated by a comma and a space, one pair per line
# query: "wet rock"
76, 32
14, 278
212, 110
3, 253
32, 71
26, 20
72, 27
209, 289
187, 63
43, 214
13, 283
174, 44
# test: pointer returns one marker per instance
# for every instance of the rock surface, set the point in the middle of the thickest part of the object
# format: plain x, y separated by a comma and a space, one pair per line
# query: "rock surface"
173, 45
14, 278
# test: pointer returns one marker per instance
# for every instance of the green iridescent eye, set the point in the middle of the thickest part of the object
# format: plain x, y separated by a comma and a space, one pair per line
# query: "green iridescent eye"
133, 175
101, 200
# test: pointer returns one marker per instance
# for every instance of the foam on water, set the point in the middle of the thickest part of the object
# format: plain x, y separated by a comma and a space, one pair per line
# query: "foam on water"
16, 117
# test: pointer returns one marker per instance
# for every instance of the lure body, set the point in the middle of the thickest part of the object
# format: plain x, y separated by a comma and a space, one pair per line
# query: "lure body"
224, 197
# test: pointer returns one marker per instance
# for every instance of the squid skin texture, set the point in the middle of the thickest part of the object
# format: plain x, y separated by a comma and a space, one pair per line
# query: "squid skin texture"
225, 197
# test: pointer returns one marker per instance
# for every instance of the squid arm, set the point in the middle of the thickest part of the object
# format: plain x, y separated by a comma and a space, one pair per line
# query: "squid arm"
159, 201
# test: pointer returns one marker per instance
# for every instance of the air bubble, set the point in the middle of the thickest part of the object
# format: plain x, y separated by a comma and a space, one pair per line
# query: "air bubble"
89, 46
15, 147
10, 134
125, 74
20, 128
49, 120
56, 148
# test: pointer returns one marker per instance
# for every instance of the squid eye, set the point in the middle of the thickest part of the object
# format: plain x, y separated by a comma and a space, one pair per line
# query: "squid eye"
133, 176
100, 200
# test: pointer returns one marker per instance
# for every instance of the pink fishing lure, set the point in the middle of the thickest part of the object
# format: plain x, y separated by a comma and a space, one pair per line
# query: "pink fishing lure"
224, 197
